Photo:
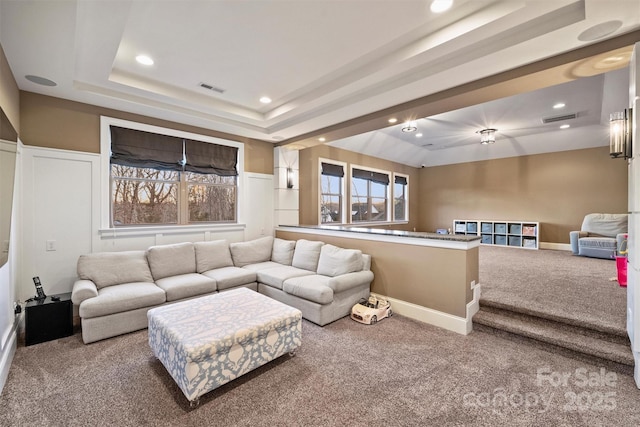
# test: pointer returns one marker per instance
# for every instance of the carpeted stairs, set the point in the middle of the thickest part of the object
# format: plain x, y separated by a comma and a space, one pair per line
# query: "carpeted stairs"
583, 315
586, 339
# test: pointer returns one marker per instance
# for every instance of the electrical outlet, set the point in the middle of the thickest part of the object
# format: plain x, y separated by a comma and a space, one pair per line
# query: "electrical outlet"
51, 245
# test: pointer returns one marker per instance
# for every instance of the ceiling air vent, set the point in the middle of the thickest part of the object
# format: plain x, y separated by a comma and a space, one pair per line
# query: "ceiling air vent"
210, 87
559, 118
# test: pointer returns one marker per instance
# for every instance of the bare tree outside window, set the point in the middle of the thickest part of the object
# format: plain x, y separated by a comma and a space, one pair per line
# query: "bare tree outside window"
149, 196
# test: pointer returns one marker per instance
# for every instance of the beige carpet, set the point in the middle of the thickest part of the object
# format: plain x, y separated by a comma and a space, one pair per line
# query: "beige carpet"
397, 373
554, 284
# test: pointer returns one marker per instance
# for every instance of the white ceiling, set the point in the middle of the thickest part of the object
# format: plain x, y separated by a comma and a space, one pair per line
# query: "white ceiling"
322, 62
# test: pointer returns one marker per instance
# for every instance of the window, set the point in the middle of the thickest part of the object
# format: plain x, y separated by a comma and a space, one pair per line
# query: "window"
162, 179
369, 196
400, 199
331, 199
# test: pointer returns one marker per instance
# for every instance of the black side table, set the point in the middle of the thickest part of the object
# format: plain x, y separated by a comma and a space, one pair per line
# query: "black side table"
47, 320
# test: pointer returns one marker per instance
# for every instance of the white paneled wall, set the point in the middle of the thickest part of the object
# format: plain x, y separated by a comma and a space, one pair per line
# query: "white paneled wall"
58, 207
286, 199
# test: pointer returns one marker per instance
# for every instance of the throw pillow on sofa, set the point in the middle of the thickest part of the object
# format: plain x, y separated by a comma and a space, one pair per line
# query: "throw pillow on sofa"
306, 254
251, 252
212, 255
171, 260
335, 261
114, 268
282, 252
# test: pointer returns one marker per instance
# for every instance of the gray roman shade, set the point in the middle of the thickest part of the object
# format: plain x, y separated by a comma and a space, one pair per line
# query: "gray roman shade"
130, 147
400, 180
332, 170
380, 178
211, 158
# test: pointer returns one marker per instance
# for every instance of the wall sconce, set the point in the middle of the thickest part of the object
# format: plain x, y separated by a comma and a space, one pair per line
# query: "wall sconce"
487, 136
620, 134
289, 178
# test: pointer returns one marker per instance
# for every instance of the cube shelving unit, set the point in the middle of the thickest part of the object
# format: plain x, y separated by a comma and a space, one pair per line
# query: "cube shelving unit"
513, 234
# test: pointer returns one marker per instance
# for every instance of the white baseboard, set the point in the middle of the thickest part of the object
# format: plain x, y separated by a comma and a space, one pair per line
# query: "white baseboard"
7, 357
555, 246
443, 320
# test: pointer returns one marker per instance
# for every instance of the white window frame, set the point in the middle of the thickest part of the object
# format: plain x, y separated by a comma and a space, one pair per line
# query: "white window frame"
393, 199
105, 168
388, 193
343, 192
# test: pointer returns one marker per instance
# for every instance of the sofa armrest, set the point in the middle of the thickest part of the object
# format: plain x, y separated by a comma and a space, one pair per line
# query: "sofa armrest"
573, 238
83, 290
620, 245
350, 280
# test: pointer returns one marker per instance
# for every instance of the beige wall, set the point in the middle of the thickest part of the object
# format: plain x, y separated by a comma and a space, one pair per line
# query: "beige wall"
58, 123
555, 189
435, 278
9, 101
309, 173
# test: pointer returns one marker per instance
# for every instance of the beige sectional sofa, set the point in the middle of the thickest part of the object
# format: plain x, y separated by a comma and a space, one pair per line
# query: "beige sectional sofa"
116, 289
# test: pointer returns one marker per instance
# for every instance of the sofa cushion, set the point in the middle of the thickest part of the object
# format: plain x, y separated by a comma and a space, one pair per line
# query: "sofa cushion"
114, 268
261, 266
210, 255
186, 285
171, 260
251, 252
313, 288
229, 277
124, 297
335, 261
276, 276
306, 254
282, 252
606, 225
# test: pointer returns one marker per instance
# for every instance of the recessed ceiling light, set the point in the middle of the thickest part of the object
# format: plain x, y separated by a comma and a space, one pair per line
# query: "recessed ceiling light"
565, 126
559, 105
393, 120
144, 60
322, 139
439, 6
418, 135
40, 80
265, 100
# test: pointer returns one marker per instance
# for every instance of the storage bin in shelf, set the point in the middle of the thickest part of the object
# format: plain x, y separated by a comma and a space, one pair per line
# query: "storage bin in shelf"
529, 229
515, 228
486, 239
486, 227
529, 242
515, 241
499, 239
472, 227
500, 228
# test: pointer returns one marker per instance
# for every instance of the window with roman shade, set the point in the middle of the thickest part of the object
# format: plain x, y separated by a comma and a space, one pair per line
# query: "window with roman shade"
369, 195
400, 199
163, 179
331, 193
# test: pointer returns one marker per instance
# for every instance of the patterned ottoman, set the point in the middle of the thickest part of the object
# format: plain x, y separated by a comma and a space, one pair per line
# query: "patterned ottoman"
207, 342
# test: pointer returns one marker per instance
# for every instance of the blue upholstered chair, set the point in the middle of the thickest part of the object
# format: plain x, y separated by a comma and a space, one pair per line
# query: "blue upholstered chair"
600, 236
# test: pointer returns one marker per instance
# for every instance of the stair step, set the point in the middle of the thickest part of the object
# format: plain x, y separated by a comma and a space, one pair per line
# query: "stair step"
553, 324
585, 340
496, 306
